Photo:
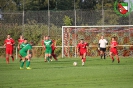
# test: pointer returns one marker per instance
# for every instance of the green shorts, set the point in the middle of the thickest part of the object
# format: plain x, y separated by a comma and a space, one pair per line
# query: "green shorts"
23, 54
48, 51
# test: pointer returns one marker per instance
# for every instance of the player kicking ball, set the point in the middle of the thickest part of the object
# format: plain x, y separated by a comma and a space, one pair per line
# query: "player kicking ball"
25, 52
113, 49
48, 48
82, 49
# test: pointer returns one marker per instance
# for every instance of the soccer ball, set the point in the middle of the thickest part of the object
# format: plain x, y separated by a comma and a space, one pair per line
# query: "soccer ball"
75, 63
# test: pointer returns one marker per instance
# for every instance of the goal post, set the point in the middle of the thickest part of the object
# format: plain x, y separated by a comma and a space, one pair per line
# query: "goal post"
72, 34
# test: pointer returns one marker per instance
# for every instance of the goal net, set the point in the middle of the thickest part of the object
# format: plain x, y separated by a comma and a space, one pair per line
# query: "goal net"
91, 34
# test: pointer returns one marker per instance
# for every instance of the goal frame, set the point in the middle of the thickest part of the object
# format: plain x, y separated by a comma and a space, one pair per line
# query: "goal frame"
96, 26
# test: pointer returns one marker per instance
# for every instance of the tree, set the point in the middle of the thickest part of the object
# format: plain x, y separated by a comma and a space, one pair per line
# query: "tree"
87, 4
8, 5
108, 15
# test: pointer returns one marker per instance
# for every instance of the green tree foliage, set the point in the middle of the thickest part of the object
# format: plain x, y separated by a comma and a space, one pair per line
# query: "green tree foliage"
8, 5
67, 21
87, 4
108, 16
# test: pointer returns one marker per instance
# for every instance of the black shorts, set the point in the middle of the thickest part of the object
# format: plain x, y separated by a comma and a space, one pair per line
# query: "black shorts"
103, 49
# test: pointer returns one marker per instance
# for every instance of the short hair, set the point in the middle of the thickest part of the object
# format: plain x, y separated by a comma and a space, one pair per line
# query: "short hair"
81, 39
114, 37
25, 39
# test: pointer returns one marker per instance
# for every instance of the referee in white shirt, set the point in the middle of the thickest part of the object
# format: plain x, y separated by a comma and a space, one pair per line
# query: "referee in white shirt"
102, 46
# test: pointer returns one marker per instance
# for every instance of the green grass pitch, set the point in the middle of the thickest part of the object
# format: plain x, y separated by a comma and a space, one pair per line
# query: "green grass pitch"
97, 73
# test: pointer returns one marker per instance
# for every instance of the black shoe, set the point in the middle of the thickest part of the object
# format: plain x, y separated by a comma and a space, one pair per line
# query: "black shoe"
118, 61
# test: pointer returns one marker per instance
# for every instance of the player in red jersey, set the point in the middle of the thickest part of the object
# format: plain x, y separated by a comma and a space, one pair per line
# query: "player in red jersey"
113, 50
9, 43
53, 49
20, 41
82, 49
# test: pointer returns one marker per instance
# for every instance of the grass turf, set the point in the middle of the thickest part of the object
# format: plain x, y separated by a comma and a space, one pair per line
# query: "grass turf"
97, 73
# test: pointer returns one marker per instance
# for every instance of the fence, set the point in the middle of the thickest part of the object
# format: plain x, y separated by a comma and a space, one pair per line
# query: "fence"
34, 24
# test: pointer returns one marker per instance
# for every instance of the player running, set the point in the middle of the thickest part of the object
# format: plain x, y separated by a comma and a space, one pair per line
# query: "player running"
113, 49
20, 41
48, 48
102, 47
9, 43
82, 49
53, 46
25, 52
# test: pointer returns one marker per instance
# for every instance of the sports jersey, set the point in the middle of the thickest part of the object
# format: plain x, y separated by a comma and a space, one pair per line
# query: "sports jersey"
48, 44
22, 45
53, 45
113, 48
20, 41
48, 47
82, 47
114, 44
103, 43
9, 43
42, 42
23, 51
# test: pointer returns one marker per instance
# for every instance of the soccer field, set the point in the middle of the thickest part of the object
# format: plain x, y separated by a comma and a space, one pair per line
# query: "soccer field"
97, 73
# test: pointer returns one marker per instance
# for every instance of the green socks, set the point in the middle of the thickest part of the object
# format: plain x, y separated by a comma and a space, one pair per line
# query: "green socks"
22, 64
48, 58
27, 63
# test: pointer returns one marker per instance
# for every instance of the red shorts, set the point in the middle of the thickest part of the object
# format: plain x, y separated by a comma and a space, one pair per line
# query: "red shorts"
82, 52
9, 50
114, 51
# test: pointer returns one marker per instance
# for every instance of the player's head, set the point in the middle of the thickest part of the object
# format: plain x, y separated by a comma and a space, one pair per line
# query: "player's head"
81, 40
8, 36
102, 37
113, 38
21, 36
46, 38
25, 41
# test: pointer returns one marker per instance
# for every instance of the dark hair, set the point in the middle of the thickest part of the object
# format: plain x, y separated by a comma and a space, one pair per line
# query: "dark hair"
81, 39
114, 37
25, 39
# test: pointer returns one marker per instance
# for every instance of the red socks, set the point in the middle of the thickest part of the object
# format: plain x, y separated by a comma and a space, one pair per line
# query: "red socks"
7, 60
54, 56
83, 59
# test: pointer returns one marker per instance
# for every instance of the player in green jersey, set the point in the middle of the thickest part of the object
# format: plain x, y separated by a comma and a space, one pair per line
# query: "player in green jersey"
25, 52
48, 48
